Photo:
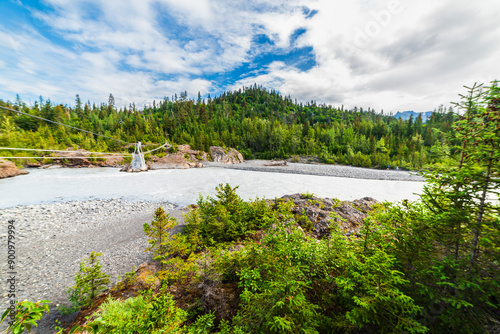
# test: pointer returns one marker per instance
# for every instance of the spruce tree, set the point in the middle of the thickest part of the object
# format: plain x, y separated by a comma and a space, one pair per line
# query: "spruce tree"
89, 282
159, 233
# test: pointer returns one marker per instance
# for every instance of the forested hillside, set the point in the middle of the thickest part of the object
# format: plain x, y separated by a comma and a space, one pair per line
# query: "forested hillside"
259, 123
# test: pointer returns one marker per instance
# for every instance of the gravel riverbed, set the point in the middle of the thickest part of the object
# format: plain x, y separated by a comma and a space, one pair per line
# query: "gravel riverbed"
52, 239
323, 170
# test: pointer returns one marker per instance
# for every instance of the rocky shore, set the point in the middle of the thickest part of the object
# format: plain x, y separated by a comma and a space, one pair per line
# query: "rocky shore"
322, 170
52, 239
9, 169
186, 157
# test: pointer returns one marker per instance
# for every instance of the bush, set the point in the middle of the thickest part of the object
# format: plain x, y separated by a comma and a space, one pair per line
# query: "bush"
228, 218
174, 148
26, 315
142, 314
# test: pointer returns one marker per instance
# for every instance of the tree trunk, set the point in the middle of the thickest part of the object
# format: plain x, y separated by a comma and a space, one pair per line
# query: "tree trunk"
476, 230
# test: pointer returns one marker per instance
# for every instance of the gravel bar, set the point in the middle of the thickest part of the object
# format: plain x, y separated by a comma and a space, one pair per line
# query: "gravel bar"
52, 240
323, 170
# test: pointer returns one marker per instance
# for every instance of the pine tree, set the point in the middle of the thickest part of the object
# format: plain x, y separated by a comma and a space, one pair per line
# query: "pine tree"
462, 222
89, 282
159, 233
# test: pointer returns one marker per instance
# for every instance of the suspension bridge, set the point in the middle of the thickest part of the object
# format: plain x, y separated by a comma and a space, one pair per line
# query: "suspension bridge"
138, 163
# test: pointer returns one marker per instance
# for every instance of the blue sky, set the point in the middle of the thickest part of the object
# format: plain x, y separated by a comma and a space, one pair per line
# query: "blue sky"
392, 55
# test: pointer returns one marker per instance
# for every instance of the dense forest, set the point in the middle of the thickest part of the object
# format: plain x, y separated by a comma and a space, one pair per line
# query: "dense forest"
258, 122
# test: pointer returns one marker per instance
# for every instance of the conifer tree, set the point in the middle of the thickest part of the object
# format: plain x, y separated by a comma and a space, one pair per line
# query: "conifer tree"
159, 233
89, 282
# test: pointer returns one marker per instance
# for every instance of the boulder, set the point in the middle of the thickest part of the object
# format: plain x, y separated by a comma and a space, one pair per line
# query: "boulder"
316, 214
68, 160
103, 161
9, 169
225, 155
182, 159
129, 169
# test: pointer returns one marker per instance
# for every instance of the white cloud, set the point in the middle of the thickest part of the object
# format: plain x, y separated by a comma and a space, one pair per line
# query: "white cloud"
390, 54
415, 57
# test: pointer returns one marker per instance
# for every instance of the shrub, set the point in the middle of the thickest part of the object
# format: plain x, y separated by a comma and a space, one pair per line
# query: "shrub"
142, 314
227, 218
26, 315
174, 148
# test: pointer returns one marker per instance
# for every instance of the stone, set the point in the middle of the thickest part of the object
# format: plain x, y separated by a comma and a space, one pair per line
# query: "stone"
225, 156
321, 212
9, 169
186, 157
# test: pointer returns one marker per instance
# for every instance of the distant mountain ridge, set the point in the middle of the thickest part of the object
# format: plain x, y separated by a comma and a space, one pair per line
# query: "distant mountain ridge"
405, 115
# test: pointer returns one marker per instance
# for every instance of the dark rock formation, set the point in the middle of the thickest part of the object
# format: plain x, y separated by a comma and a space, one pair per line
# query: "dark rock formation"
316, 214
9, 169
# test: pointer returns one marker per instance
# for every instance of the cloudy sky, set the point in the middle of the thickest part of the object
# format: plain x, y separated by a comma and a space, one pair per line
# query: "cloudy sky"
388, 54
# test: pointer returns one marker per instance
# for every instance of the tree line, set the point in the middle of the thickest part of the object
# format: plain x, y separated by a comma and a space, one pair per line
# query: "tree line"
260, 123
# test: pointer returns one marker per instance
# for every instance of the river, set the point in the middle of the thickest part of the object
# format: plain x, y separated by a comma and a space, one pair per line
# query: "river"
183, 186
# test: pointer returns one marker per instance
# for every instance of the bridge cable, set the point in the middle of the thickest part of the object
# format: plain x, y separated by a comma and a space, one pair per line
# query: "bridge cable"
49, 157
65, 151
68, 126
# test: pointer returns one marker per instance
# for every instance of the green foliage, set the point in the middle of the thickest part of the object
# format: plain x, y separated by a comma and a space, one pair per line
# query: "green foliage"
228, 218
371, 292
174, 148
462, 225
307, 195
145, 313
26, 315
158, 232
204, 324
275, 283
89, 282
260, 123
289, 282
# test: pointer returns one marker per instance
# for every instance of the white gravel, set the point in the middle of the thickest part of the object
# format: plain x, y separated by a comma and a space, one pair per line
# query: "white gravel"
323, 170
52, 239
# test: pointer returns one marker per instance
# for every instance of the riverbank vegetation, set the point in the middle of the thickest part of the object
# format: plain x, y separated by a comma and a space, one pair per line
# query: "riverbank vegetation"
259, 123
260, 267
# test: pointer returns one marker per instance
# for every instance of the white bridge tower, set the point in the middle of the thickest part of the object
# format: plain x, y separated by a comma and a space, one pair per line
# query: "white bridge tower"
138, 162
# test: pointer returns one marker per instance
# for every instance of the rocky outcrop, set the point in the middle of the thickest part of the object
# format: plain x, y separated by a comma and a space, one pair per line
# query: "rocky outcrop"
9, 169
186, 157
129, 169
225, 156
316, 214
68, 160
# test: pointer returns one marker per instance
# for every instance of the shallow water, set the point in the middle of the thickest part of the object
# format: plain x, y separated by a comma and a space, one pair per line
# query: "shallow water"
183, 186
